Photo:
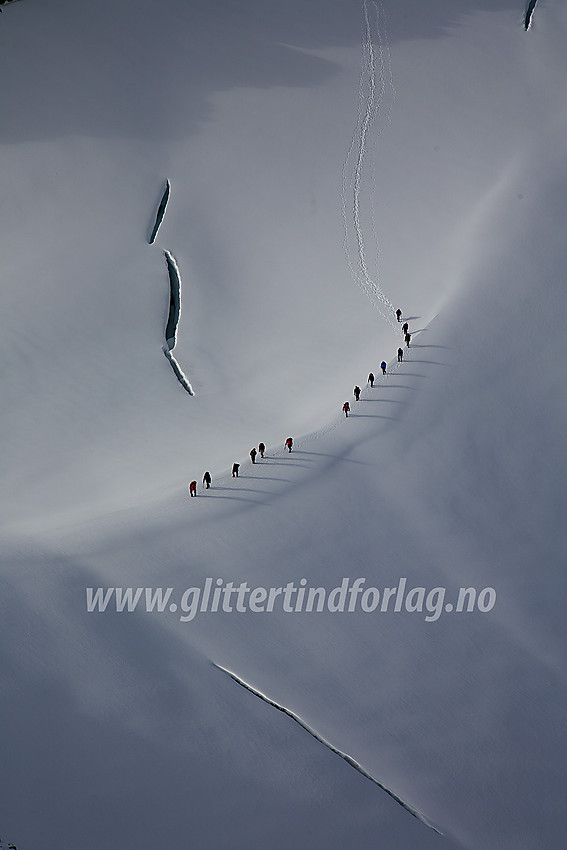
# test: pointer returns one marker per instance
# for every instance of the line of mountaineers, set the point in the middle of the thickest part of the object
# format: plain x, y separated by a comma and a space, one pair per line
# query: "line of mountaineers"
207, 480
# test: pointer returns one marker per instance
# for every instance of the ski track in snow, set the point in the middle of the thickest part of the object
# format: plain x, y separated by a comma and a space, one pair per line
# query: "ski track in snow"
386, 84
349, 759
160, 213
529, 14
173, 320
345, 178
371, 97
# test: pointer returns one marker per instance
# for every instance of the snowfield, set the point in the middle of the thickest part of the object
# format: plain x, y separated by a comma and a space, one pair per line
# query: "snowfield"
326, 163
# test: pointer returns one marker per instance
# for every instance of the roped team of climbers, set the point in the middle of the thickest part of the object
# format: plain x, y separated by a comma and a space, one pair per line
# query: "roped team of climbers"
383, 364
207, 480
346, 410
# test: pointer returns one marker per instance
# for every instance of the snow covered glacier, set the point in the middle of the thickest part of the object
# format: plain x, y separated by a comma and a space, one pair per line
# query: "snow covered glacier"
330, 162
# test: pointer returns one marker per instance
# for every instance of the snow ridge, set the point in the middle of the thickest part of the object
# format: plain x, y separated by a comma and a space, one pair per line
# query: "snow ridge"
529, 14
173, 319
353, 763
371, 96
161, 212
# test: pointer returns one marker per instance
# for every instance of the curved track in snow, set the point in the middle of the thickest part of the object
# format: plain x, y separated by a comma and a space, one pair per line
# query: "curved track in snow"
376, 83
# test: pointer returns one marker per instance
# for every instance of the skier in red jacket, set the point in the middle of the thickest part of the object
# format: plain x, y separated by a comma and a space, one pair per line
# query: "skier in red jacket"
289, 444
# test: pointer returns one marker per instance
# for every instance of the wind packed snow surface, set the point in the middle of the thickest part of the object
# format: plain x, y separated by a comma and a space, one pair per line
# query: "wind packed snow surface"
388, 597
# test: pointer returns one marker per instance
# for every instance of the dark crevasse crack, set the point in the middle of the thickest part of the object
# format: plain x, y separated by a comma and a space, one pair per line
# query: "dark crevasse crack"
173, 320
174, 301
161, 211
349, 760
529, 13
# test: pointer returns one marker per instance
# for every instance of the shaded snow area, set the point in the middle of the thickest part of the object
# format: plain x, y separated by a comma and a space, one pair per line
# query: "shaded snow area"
358, 643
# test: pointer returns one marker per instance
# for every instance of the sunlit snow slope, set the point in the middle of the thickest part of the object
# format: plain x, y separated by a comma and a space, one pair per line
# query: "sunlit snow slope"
327, 163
